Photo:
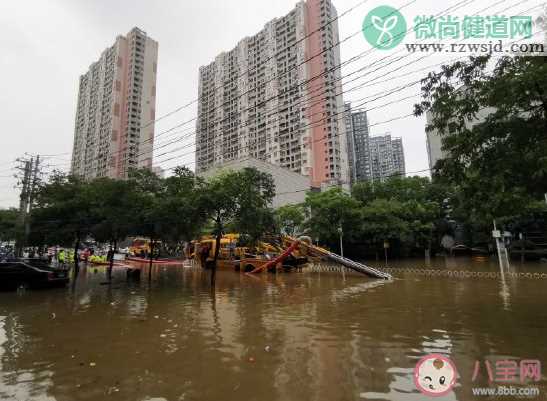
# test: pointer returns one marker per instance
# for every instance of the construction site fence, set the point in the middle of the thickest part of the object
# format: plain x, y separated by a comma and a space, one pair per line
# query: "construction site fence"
459, 274
400, 271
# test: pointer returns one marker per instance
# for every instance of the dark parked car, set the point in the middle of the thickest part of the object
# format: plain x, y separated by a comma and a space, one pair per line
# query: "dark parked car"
16, 274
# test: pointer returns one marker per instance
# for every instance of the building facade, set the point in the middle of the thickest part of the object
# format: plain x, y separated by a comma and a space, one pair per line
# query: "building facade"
277, 97
114, 128
435, 151
386, 157
357, 144
290, 187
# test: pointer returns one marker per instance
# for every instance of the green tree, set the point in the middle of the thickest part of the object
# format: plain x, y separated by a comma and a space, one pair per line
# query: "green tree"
64, 212
330, 210
383, 220
290, 219
8, 224
497, 164
241, 200
113, 204
181, 205
150, 218
401, 189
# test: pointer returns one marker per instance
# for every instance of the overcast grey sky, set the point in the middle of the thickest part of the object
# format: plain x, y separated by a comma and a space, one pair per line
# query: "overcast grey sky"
46, 45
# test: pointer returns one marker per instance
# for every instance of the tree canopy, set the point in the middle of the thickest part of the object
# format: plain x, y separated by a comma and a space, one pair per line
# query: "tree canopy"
492, 118
241, 200
8, 224
401, 210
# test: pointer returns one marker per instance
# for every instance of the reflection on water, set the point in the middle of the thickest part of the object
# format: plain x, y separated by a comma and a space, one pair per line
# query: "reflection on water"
297, 336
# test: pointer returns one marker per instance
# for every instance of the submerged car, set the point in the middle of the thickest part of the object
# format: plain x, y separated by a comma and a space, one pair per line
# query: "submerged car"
20, 274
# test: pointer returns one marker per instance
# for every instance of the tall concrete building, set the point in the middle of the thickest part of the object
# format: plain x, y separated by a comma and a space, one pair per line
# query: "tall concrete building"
398, 156
263, 100
435, 151
386, 157
290, 187
114, 128
357, 144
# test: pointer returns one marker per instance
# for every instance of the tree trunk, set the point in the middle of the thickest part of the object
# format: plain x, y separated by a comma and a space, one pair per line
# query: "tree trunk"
428, 250
151, 257
111, 262
217, 250
76, 259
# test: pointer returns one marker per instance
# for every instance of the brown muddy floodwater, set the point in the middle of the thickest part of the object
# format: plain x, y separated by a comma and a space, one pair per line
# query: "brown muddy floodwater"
296, 336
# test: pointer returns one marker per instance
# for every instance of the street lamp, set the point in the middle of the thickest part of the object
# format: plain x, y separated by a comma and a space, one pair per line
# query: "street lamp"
341, 233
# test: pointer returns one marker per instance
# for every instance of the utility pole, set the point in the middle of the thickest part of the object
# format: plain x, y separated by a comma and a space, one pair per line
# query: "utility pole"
33, 185
31, 172
341, 232
26, 169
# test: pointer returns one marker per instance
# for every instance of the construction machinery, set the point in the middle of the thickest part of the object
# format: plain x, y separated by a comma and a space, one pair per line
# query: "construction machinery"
306, 243
285, 254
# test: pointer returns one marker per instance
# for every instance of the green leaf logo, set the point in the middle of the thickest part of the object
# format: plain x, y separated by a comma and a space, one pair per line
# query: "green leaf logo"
384, 27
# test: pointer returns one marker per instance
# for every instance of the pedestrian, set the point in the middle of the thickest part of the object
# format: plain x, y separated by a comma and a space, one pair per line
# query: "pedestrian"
110, 254
86, 255
204, 253
61, 257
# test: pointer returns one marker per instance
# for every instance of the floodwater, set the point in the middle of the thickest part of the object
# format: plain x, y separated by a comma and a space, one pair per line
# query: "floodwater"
296, 336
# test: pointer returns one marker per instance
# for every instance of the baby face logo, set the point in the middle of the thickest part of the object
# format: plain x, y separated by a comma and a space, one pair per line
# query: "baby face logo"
384, 27
435, 375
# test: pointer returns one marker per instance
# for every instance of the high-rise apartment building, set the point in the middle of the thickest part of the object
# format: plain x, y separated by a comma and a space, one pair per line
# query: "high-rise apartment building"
434, 139
386, 157
277, 97
114, 128
358, 144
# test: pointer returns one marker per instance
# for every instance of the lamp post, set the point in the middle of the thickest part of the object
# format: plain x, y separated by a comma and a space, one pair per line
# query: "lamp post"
340, 231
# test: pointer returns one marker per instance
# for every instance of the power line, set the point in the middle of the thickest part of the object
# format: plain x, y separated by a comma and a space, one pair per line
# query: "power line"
321, 28
311, 124
381, 176
355, 58
172, 142
459, 4
264, 83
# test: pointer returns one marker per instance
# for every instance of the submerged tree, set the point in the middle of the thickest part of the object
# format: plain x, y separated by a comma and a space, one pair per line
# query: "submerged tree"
181, 203
290, 219
240, 199
64, 211
113, 205
331, 210
149, 217
402, 208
